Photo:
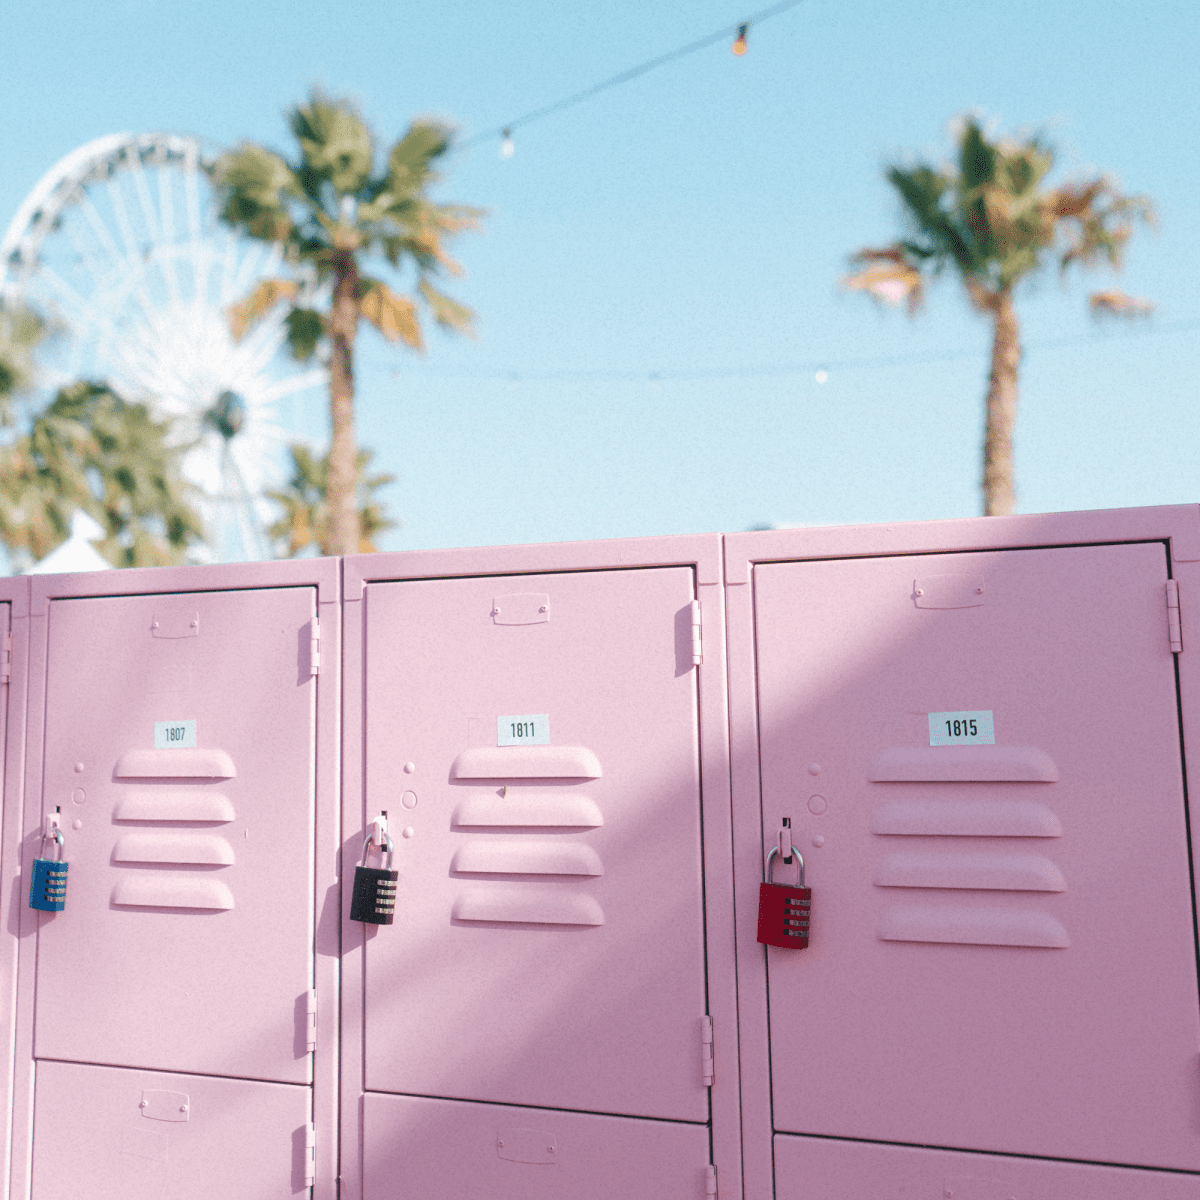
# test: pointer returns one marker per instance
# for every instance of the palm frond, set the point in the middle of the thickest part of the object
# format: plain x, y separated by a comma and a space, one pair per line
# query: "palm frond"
394, 316
335, 142
248, 312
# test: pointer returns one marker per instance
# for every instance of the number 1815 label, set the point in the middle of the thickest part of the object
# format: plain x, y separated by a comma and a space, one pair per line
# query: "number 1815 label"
525, 730
962, 728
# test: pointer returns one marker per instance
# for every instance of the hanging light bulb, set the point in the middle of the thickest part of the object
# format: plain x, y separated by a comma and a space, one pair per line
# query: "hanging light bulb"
739, 43
506, 144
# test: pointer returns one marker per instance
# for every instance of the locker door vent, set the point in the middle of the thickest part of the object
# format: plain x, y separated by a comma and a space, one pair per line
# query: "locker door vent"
173, 805
526, 858
963, 764
175, 764
185, 848
546, 908
985, 871
526, 762
547, 811
172, 891
971, 926
965, 818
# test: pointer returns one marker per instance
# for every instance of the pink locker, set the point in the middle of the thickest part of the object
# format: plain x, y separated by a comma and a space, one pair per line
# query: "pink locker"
552, 1011
14, 659
176, 1029
975, 733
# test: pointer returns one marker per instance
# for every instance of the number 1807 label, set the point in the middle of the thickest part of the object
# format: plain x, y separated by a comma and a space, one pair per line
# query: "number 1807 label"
524, 730
962, 728
174, 735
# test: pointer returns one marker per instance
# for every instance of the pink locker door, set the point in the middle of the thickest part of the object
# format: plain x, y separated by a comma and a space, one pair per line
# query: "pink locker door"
106, 1133
179, 749
548, 944
1002, 952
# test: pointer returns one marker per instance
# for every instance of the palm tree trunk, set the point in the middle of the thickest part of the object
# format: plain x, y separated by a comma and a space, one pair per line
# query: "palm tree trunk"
998, 494
343, 474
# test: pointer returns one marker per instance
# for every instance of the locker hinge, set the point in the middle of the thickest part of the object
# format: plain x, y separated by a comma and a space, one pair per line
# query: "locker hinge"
310, 1155
710, 1181
1174, 631
314, 648
312, 1020
6, 659
697, 648
706, 1051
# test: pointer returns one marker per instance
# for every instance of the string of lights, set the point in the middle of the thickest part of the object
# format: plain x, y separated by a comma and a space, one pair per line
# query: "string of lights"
819, 369
738, 35
738, 32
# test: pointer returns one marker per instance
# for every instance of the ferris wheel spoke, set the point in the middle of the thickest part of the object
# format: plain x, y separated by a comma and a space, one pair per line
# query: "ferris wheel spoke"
228, 269
191, 193
318, 377
262, 344
121, 213
92, 216
145, 203
85, 310
166, 215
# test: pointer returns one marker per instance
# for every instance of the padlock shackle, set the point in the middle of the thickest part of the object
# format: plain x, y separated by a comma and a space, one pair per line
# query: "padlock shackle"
367, 850
55, 836
795, 854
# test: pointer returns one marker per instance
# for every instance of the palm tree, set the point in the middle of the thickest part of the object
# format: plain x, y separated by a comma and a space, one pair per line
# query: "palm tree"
20, 332
94, 451
330, 209
305, 520
990, 217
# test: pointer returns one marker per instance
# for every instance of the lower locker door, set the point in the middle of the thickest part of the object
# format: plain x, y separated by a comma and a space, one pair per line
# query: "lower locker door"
1002, 954
541, 779
826, 1169
450, 1150
179, 748
101, 1133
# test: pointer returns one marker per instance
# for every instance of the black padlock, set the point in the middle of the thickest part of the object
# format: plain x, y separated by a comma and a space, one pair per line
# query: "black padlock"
374, 897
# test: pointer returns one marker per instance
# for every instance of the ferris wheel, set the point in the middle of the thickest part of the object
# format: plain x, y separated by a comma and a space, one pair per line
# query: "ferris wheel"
119, 249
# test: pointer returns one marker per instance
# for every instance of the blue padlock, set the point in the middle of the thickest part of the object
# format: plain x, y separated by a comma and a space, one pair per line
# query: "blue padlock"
48, 887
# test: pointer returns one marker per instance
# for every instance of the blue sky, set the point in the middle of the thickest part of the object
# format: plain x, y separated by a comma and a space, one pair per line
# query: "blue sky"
657, 281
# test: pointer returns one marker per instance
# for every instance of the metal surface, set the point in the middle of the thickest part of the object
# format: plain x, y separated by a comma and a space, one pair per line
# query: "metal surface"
977, 964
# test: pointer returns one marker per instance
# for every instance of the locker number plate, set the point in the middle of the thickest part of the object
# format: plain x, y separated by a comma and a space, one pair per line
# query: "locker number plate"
962, 728
174, 735
523, 730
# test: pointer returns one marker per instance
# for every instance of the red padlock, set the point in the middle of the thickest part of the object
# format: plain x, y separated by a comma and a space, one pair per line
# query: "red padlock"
783, 909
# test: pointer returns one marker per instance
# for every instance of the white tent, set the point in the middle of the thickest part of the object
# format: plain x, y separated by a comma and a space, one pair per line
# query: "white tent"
77, 553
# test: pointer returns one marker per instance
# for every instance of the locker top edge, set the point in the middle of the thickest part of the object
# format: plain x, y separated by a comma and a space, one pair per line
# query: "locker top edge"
702, 551
1177, 523
321, 573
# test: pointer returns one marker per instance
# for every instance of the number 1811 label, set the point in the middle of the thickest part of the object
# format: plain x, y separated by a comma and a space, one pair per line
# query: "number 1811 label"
962, 728
525, 730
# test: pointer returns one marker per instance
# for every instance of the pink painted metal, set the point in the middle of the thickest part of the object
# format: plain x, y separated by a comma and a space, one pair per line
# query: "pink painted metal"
14, 664
826, 1167
193, 755
113, 1134
190, 913
550, 944
1005, 954
440, 1148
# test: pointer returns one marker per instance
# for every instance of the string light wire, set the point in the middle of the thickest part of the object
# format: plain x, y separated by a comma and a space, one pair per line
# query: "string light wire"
737, 29
824, 366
